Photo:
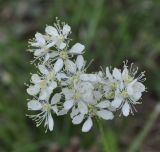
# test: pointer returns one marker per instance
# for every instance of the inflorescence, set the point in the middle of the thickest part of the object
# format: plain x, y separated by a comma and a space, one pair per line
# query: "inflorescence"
62, 86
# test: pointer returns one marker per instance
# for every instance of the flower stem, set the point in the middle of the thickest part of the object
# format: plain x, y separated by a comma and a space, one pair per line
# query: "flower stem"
140, 138
105, 143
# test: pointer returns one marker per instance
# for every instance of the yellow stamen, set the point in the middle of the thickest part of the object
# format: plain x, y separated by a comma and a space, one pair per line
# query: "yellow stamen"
124, 94
63, 55
47, 107
43, 84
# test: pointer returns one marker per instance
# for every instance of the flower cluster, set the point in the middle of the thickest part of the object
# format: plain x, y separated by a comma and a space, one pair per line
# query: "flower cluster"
63, 86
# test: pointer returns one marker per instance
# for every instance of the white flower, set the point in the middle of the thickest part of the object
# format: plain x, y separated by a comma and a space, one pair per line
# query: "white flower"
94, 109
74, 71
41, 86
107, 84
79, 96
41, 47
58, 35
45, 111
44, 84
128, 91
101, 109
63, 56
55, 45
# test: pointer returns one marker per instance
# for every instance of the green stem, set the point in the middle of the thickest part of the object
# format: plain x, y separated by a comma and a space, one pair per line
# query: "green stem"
140, 138
102, 133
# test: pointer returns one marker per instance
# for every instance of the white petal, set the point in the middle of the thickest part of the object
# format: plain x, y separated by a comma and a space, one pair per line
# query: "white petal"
33, 90
58, 65
83, 87
55, 109
98, 95
52, 85
117, 74
62, 45
87, 125
53, 54
125, 73
133, 82
74, 112
38, 52
43, 69
68, 104
49, 45
35, 78
56, 98
103, 104
68, 93
139, 87
77, 49
78, 119
51, 30
105, 114
82, 107
50, 122
126, 109
34, 105
116, 103
88, 96
136, 96
130, 90
80, 62
108, 74
70, 66
61, 76
40, 39
66, 29
62, 112
90, 77
86, 91
46, 58
44, 94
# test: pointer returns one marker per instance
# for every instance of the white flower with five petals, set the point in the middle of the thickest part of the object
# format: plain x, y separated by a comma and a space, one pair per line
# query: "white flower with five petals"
57, 36
45, 111
95, 109
45, 84
128, 91
40, 46
79, 96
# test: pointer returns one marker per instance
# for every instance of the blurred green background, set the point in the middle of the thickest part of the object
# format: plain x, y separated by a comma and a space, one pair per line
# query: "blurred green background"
113, 31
